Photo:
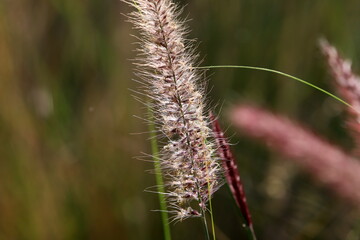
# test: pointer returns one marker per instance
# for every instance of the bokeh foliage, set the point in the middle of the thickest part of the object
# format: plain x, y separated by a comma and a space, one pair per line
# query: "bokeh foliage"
67, 168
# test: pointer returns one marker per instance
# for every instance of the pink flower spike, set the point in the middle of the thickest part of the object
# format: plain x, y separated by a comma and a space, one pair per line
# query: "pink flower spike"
347, 84
231, 171
325, 162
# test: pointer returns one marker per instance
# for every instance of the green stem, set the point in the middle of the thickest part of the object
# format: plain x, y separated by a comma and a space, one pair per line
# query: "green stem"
252, 232
159, 178
206, 229
212, 219
283, 74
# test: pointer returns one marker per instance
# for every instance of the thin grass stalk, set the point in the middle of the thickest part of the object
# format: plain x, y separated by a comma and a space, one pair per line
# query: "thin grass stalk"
212, 218
205, 225
285, 75
159, 179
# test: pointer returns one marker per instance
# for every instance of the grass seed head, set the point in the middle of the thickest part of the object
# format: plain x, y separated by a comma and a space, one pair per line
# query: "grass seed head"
165, 65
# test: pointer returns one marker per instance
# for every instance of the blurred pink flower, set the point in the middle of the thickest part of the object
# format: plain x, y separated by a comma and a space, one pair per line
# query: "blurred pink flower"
324, 161
348, 85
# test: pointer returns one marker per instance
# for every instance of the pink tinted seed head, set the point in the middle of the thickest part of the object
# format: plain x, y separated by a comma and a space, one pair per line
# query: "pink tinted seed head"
165, 66
325, 162
348, 85
230, 169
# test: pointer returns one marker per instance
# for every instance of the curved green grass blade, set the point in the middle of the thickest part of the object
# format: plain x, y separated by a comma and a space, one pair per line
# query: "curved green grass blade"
283, 74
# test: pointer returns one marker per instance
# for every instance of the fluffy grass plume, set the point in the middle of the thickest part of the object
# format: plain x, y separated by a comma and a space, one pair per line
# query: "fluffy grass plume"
165, 67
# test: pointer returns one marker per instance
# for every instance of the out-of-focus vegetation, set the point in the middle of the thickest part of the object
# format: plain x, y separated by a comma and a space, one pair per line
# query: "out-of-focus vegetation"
67, 169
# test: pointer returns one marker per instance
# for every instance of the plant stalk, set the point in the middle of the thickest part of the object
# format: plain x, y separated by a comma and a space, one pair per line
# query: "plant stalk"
159, 178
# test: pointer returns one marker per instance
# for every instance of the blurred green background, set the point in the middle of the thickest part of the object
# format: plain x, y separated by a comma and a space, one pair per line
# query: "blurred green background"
67, 168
